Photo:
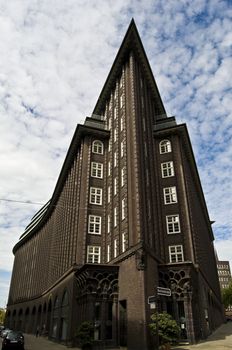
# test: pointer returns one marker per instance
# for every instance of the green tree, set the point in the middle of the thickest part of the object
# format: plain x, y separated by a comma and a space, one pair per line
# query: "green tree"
168, 330
227, 295
2, 315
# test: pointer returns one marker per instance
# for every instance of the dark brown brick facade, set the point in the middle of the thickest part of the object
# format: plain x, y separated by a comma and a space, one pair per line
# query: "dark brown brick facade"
64, 273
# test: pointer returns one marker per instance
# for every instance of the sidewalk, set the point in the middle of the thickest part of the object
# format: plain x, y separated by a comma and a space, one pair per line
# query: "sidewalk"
221, 339
42, 343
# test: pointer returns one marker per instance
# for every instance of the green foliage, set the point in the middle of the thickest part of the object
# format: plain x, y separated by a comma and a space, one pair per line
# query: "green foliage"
227, 296
2, 315
84, 334
168, 329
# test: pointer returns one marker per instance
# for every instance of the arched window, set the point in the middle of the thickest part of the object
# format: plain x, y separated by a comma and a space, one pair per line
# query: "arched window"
64, 316
165, 146
97, 147
55, 318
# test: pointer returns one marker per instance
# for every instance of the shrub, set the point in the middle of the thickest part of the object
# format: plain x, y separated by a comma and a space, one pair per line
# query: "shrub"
168, 330
84, 334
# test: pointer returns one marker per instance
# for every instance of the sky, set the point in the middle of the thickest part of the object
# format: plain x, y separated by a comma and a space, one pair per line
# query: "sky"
54, 59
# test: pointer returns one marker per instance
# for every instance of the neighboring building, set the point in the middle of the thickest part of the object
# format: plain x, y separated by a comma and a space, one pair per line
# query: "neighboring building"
224, 276
224, 273
128, 214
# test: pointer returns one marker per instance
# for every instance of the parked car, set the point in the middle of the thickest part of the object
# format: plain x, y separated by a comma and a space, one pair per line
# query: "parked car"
13, 340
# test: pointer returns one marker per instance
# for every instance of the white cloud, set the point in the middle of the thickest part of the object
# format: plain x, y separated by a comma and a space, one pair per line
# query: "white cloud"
54, 60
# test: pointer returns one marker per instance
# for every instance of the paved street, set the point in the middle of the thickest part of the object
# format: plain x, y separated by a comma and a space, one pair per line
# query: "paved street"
220, 340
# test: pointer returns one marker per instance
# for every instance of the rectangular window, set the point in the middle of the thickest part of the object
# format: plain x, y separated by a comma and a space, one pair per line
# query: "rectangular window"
121, 101
115, 159
122, 149
109, 194
93, 254
121, 123
115, 247
115, 113
115, 135
108, 224
109, 168
122, 176
109, 146
97, 170
123, 208
95, 195
115, 216
94, 225
123, 242
108, 253
170, 195
176, 253
115, 186
110, 124
167, 169
173, 223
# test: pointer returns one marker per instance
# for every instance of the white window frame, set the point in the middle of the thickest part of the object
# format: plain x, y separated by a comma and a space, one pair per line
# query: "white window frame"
108, 223
170, 196
115, 186
121, 124
121, 101
97, 147
123, 242
115, 134
109, 168
115, 247
97, 170
115, 216
115, 159
173, 224
93, 254
115, 112
123, 208
122, 176
109, 194
176, 253
122, 149
165, 146
108, 252
95, 195
167, 169
94, 225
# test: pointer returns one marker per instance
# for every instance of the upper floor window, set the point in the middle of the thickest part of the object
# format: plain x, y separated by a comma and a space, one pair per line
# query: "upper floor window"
95, 195
97, 147
165, 146
115, 247
108, 223
97, 170
115, 159
115, 216
167, 169
173, 223
122, 176
108, 253
93, 254
122, 149
109, 194
123, 208
170, 195
176, 253
124, 242
121, 101
94, 225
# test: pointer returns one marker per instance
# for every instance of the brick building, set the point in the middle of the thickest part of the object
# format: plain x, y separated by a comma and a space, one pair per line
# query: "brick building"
224, 273
127, 215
